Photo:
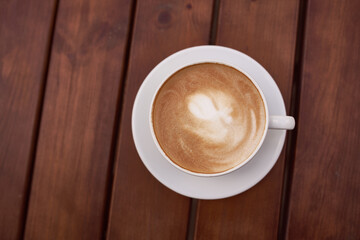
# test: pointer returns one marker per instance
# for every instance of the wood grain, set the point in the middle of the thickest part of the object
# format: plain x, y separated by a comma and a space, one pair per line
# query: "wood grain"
25, 33
142, 208
266, 31
325, 196
68, 194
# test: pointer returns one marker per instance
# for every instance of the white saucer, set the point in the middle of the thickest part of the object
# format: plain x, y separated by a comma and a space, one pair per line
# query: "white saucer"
207, 187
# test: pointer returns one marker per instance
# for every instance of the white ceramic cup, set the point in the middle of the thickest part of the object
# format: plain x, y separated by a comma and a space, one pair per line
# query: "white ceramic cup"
188, 57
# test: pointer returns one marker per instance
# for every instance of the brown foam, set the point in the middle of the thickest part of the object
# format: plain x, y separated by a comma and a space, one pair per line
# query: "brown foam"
208, 117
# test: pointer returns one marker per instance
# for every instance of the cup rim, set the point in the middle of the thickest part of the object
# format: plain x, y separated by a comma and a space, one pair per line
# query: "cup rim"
194, 63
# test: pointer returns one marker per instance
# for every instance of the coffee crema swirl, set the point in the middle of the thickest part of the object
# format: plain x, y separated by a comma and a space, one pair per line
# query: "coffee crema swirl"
208, 117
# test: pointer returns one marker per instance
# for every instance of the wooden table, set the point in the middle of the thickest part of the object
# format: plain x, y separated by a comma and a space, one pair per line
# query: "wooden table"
69, 73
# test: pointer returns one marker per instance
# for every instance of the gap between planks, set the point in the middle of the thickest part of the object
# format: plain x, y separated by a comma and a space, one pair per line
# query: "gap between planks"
116, 131
294, 111
39, 110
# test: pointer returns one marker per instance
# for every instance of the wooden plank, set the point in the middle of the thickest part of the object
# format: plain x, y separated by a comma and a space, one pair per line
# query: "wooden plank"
266, 31
25, 34
325, 196
71, 175
142, 208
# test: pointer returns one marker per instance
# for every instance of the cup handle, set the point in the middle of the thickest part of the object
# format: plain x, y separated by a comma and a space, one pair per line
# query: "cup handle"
281, 122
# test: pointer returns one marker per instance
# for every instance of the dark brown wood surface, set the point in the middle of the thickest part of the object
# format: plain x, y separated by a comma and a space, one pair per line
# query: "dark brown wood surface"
25, 33
69, 73
68, 194
325, 196
142, 208
253, 28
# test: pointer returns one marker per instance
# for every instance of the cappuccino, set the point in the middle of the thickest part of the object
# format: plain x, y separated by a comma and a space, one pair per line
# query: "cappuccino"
208, 118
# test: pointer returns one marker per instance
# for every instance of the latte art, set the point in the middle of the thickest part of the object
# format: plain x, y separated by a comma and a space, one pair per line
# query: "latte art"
208, 118
214, 120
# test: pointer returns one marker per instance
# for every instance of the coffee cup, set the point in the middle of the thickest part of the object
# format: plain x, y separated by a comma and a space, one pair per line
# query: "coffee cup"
209, 117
